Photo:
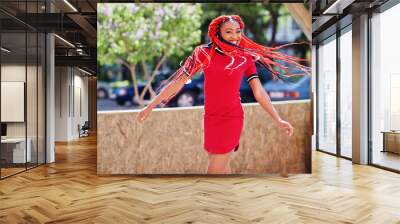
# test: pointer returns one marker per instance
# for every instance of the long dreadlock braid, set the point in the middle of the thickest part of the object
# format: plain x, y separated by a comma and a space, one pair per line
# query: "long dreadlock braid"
268, 57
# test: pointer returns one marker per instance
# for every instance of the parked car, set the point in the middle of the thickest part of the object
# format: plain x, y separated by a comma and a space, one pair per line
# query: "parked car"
190, 94
246, 93
123, 92
104, 90
279, 90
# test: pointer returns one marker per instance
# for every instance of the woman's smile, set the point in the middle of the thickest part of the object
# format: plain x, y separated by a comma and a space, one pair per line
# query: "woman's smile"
234, 41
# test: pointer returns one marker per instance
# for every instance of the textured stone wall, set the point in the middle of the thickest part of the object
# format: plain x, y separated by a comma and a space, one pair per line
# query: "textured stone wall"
170, 141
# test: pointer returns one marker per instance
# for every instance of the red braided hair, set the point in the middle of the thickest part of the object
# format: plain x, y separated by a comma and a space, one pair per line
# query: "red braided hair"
268, 57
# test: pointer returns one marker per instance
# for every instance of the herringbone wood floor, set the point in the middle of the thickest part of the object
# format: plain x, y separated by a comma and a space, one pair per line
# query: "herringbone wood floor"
69, 191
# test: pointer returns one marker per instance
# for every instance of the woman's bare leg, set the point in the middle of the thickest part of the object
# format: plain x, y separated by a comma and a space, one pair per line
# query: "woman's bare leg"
219, 163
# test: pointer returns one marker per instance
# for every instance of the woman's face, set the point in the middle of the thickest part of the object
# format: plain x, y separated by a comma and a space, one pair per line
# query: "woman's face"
230, 31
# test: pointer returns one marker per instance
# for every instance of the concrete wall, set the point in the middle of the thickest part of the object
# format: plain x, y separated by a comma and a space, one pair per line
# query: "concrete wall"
171, 141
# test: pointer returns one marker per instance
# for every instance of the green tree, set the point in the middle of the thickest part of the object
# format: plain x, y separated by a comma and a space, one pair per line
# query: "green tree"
146, 34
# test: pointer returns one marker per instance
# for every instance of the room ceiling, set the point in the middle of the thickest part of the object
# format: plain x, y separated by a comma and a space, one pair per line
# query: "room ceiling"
72, 20
327, 13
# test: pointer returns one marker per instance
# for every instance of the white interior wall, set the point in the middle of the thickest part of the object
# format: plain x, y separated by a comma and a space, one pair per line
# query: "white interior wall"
71, 94
61, 103
80, 100
32, 127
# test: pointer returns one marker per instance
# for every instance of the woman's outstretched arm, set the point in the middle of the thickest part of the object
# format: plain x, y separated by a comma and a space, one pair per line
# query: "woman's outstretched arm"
263, 99
168, 90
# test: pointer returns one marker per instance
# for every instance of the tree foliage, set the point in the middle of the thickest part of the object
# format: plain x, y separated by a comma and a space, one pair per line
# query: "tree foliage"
143, 31
146, 34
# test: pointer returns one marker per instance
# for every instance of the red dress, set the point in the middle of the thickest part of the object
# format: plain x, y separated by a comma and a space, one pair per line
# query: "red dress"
223, 112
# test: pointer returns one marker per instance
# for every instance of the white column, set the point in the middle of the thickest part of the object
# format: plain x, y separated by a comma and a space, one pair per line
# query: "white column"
313, 96
360, 90
50, 92
50, 100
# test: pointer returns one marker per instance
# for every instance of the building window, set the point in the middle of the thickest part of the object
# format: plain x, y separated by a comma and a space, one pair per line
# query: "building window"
385, 89
326, 96
346, 93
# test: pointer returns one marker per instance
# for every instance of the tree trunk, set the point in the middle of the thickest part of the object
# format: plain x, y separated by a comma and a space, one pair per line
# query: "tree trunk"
151, 78
255, 32
147, 77
146, 73
136, 97
274, 23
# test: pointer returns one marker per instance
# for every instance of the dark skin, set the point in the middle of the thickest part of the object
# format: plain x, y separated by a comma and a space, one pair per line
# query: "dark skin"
220, 163
231, 31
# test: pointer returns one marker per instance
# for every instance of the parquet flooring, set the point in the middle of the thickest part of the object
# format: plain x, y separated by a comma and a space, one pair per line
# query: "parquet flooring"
10, 171
387, 159
69, 191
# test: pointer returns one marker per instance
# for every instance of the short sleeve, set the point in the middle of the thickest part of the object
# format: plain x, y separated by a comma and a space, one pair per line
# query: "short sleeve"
201, 53
251, 70
204, 52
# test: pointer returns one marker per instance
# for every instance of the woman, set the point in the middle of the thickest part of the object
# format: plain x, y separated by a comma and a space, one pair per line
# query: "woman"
224, 61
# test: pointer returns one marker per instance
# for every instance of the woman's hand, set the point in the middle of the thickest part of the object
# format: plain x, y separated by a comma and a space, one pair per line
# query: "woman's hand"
286, 126
144, 113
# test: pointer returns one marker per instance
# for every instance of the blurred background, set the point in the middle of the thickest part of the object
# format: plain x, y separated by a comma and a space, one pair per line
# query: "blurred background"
141, 45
